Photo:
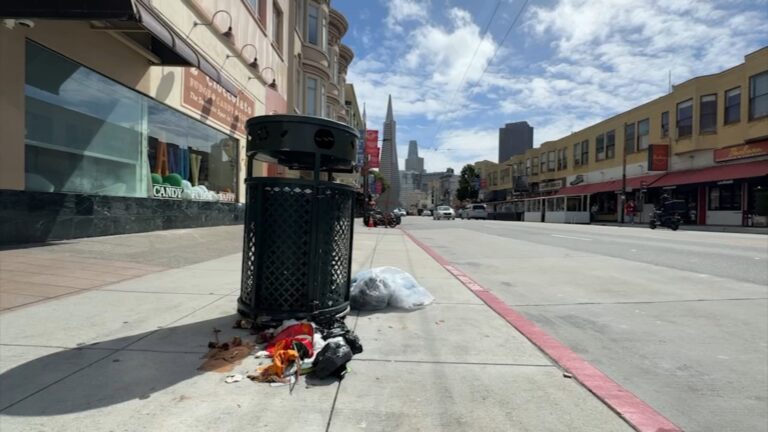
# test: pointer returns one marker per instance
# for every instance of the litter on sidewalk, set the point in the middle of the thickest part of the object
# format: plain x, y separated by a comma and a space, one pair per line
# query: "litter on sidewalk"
295, 348
379, 287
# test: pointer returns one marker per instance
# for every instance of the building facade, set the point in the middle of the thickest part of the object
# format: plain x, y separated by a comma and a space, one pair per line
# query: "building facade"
705, 143
514, 139
134, 113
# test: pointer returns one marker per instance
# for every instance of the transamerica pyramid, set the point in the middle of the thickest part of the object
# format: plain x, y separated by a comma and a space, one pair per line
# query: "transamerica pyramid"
390, 170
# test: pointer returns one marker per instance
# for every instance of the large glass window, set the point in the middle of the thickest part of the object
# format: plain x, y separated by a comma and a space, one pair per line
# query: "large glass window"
585, 152
535, 166
543, 163
665, 124
708, 114
565, 158
629, 138
551, 161
84, 132
685, 118
89, 134
600, 147
643, 129
311, 93
313, 24
199, 154
733, 105
758, 95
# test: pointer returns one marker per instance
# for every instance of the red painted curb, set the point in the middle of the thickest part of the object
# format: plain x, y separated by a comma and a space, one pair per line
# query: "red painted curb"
634, 411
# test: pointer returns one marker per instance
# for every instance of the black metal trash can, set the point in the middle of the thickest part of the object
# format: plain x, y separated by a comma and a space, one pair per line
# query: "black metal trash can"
297, 245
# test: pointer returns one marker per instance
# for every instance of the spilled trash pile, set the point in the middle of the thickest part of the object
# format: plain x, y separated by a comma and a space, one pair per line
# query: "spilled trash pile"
296, 348
319, 349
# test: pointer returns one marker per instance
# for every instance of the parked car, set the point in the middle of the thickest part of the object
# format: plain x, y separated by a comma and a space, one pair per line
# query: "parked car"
400, 211
475, 211
426, 213
464, 211
444, 212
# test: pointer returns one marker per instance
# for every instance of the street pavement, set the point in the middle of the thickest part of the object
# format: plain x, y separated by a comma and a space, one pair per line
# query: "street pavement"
124, 355
678, 318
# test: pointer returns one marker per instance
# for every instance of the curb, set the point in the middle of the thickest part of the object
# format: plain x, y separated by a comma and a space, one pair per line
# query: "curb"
641, 416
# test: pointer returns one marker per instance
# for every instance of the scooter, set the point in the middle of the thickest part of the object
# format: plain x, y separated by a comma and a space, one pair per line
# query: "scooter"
667, 220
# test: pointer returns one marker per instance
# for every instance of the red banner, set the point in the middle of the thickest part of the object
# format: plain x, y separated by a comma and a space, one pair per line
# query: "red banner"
373, 158
658, 157
372, 148
741, 151
371, 139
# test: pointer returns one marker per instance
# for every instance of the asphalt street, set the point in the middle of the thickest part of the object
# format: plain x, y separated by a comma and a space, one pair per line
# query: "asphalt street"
678, 318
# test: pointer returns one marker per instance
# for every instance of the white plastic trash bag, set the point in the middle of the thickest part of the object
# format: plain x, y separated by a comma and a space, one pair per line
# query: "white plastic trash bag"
380, 287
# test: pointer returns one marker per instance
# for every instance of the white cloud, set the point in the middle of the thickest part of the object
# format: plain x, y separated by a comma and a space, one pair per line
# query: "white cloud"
422, 72
402, 11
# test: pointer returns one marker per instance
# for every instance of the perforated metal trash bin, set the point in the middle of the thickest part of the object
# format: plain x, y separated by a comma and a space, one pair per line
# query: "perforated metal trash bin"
297, 244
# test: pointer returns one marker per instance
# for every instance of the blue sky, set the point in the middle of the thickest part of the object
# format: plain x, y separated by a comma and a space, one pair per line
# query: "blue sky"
565, 65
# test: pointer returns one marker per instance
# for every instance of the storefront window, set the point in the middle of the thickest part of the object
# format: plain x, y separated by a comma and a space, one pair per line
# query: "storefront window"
725, 197
199, 154
84, 132
89, 134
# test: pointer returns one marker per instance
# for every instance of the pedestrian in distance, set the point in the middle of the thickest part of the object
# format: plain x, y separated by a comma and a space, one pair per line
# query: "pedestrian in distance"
593, 212
629, 211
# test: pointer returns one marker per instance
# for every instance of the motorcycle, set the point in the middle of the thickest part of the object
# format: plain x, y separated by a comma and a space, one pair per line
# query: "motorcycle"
380, 218
668, 216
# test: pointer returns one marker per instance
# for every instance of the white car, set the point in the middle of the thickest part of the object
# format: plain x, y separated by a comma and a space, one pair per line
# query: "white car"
444, 212
426, 213
399, 211
475, 211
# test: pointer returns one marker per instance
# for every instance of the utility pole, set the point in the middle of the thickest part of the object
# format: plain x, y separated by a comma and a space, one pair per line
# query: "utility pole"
624, 175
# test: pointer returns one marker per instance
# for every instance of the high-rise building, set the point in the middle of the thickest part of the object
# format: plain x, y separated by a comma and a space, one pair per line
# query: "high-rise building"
389, 169
413, 162
514, 139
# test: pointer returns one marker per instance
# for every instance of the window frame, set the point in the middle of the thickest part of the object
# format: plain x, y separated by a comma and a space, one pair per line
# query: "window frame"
610, 144
577, 154
307, 34
585, 152
726, 107
535, 165
551, 161
277, 27
307, 79
259, 11
630, 145
665, 124
600, 147
710, 115
752, 97
640, 146
678, 119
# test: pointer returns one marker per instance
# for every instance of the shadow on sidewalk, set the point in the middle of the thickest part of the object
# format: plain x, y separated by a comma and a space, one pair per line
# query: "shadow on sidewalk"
96, 375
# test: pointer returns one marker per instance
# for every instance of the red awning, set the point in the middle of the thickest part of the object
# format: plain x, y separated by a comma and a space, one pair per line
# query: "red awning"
715, 173
609, 186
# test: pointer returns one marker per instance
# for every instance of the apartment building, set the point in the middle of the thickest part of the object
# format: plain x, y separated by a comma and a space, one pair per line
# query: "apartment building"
706, 143
107, 110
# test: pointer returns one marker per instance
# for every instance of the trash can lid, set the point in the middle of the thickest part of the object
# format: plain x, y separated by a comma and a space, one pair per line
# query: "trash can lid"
294, 140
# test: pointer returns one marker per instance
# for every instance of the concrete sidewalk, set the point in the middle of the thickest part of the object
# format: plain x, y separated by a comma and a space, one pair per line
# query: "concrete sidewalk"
124, 357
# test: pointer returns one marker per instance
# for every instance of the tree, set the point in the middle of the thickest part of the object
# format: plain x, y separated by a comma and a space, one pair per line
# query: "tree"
467, 189
384, 182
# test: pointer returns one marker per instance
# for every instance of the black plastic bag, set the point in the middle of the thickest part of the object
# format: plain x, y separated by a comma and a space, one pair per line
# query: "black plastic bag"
332, 359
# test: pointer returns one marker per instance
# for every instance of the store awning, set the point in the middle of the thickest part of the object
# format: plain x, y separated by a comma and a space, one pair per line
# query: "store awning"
610, 186
714, 174
127, 16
